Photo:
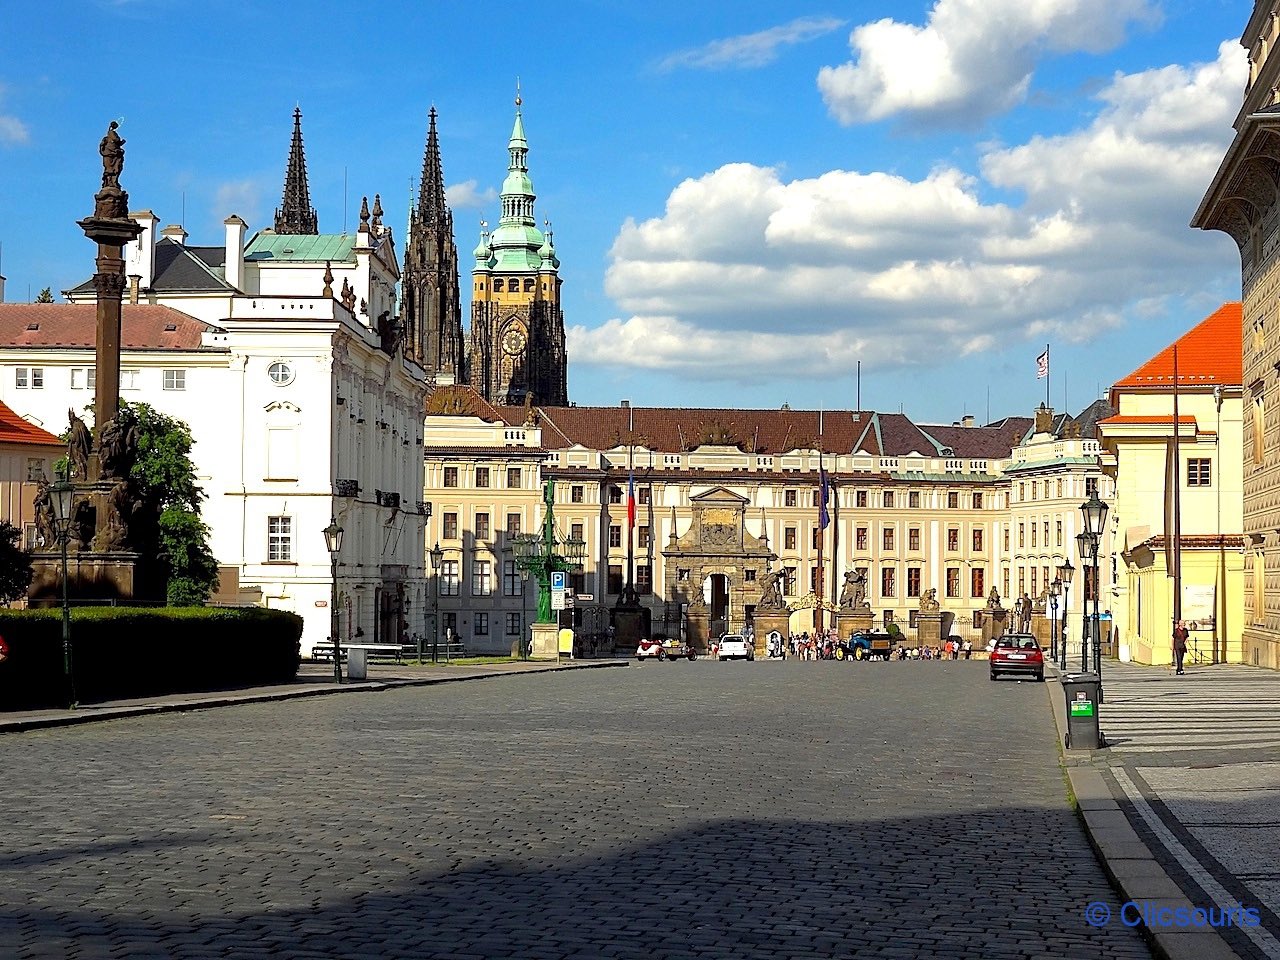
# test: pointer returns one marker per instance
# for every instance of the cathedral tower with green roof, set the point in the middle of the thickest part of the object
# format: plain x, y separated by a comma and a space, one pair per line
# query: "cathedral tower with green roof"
517, 349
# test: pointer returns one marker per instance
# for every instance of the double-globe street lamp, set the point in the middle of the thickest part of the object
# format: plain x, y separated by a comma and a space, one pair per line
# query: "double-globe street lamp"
1089, 542
62, 503
1055, 591
437, 558
1065, 572
333, 542
547, 553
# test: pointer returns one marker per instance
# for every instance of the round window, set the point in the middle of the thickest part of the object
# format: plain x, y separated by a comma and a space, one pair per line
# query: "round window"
280, 373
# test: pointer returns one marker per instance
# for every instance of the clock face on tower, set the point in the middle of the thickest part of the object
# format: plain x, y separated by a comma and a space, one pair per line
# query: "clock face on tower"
513, 342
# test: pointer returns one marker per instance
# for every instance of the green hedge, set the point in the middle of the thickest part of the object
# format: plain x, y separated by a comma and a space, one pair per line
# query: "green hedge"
124, 652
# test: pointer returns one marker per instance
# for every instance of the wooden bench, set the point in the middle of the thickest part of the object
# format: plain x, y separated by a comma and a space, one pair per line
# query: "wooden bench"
380, 651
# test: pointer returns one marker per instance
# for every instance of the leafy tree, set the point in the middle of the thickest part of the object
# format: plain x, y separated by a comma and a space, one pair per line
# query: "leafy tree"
46, 295
167, 523
15, 564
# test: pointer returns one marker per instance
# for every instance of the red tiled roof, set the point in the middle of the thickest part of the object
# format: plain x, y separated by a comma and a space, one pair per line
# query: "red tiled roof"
142, 326
464, 401
13, 429
1208, 354
1150, 418
762, 432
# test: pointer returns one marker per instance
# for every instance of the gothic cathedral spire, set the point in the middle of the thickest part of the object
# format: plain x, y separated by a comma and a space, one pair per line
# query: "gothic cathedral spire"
432, 308
295, 214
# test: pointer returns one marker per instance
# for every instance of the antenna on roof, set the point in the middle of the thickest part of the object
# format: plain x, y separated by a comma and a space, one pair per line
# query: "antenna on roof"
182, 220
344, 199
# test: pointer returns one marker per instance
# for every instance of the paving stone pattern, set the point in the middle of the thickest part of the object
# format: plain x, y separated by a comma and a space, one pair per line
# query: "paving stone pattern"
669, 810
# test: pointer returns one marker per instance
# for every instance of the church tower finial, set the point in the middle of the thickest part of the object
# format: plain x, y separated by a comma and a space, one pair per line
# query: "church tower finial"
295, 213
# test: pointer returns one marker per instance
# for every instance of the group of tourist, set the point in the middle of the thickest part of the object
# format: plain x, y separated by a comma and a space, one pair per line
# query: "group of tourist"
953, 649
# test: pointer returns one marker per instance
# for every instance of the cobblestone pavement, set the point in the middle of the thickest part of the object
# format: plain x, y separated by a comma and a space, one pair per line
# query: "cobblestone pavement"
668, 810
1195, 758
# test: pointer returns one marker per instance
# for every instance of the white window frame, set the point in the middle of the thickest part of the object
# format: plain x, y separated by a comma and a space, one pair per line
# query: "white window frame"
175, 378
280, 539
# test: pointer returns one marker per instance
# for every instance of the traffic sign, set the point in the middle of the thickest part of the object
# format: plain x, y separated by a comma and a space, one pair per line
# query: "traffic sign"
557, 599
568, 601
557, 579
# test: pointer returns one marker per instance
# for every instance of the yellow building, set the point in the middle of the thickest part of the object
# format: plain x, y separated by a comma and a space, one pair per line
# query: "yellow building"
1243, 201
1208, 466
913, 506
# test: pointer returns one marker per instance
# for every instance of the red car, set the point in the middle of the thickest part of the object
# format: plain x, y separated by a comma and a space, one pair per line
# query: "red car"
1017, 653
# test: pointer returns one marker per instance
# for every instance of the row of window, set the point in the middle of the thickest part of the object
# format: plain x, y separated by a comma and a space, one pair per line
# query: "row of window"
889, 539
480, 623
889, 581
484, 477
86, 378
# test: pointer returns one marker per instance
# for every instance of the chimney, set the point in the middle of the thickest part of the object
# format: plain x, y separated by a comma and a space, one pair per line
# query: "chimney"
176, 233
140, 254
625, 404
966, 420
234, 270
1, 288
135, 281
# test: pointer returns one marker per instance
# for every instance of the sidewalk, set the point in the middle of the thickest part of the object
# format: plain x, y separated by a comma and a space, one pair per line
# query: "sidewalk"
314, 679
1183, 805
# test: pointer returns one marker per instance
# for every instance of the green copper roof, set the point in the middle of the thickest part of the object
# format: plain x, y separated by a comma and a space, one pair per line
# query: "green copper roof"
516, 243
1055, 462
297, 248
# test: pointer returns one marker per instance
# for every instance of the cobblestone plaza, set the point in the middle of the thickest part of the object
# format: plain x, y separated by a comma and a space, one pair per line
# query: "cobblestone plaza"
664, 810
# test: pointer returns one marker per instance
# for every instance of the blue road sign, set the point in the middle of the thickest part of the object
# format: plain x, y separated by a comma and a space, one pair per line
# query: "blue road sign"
557, 580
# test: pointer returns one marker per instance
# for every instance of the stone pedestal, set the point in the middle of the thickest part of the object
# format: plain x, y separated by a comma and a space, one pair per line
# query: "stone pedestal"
929, 628
765, 623
696, 630
90, 576
995, 621
849, 622
627, 627
545, 641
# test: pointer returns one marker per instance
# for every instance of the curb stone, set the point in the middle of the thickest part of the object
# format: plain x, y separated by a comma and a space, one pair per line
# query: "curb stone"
44, 720
1133, 870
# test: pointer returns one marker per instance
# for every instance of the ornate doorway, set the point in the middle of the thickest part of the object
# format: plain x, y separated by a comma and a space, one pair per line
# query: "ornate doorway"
715, 593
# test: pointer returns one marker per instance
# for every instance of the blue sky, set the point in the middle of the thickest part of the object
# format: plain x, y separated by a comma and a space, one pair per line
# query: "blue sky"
748, 198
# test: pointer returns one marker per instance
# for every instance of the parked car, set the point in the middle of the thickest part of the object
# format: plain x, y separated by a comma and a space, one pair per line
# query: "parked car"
734, 646
665, 648
650, 648
1017, 653
866, 646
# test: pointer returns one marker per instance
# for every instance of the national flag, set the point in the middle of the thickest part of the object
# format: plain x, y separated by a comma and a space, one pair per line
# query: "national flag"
1042, 365
631, 500
824, 497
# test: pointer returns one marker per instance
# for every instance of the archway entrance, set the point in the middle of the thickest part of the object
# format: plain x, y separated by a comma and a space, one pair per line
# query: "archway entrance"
715, 592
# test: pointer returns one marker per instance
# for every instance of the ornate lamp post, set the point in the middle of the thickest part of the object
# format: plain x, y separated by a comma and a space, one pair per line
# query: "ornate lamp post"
1055, 591
1085, 544
437, 558
1065, 573
333, 542
547, 553
1095, 518
62, 502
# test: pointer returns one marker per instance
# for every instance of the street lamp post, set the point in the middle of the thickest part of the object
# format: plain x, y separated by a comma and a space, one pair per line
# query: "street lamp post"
1086, 546
1065, 572
62, 501
1095, 518
333, 542
1055, 590
437, 558
547, 553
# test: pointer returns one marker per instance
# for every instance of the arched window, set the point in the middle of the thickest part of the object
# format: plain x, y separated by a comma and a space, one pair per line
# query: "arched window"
497, 284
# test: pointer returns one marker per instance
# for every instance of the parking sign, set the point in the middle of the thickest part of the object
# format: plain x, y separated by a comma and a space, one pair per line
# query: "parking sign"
557, 580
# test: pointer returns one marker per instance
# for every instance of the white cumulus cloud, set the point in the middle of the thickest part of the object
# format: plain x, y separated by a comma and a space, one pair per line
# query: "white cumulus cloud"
971, 59
751, 49
468, 195
747, 273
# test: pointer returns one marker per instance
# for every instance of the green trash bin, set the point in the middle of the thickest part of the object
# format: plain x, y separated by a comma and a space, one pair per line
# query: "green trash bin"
1084, 694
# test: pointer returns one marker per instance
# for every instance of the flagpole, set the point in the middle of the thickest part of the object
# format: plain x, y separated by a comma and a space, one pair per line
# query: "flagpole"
1177, 498
631, 507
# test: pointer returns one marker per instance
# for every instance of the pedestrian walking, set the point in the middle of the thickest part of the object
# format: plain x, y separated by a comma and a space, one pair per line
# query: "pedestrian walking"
1180, 634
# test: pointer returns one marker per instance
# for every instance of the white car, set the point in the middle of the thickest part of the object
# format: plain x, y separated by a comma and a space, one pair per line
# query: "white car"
734, 646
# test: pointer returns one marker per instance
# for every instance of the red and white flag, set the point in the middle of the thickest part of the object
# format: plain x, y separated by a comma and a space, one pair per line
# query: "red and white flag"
1042, 365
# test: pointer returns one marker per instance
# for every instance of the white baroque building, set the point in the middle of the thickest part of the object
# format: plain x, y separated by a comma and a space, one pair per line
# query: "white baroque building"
283, 357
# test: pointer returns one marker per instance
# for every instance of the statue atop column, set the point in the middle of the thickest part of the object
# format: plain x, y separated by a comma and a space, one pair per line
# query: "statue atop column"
111, 202
771, 591
853, 595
